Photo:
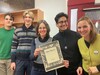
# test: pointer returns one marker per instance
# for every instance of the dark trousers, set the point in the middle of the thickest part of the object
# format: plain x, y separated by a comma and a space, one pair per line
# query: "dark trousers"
23, 67
65, 71
38, 69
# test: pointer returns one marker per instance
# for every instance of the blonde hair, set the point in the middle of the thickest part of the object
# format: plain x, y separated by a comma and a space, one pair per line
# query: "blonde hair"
28, 12
93, 31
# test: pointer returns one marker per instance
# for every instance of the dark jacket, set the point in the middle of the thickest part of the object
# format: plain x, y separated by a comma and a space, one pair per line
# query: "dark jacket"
68, 43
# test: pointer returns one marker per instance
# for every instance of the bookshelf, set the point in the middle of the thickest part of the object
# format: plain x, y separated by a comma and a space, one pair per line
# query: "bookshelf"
18, 17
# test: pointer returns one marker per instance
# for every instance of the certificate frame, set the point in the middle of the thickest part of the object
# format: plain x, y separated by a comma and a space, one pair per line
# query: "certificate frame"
51, 56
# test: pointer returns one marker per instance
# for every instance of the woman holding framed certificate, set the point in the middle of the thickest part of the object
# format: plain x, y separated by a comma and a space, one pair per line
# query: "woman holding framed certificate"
42, 31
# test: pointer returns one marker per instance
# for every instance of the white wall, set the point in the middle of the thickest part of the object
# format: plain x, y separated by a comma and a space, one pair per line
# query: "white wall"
50, 9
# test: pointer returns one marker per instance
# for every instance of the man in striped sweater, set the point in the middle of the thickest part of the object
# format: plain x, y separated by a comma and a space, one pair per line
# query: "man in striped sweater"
21, 45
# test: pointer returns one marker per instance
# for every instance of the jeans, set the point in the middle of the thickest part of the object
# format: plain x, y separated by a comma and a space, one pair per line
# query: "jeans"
23, 67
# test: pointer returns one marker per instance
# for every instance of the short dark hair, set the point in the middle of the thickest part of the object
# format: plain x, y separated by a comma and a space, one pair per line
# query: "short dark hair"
9, 14
59, 15
47, 27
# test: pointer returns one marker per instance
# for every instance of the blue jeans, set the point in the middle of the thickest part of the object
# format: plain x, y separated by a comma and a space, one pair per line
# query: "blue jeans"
41, 71
23, 67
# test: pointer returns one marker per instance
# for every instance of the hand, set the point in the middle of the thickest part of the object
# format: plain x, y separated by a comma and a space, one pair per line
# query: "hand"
93, 70
13, 66
79, 71
36, 52
66, 63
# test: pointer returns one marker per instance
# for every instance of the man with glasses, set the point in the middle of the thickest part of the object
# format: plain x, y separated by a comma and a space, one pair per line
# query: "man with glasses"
68, 43
6, 36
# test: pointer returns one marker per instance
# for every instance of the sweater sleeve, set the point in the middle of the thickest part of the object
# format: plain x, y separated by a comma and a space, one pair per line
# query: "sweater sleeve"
32, 51
14, 47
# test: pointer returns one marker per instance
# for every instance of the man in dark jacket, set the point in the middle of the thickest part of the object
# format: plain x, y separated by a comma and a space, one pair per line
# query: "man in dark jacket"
68, 42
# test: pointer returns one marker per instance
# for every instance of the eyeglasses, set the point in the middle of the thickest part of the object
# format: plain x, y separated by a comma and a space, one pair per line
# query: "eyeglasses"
61, 22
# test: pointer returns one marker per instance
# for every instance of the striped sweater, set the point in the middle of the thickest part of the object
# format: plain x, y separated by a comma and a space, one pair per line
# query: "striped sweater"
21, 44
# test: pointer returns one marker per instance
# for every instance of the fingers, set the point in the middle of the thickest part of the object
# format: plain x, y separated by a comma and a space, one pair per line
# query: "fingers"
93, 70
79, 71
12, 66
36, 52
89, 70
66, 63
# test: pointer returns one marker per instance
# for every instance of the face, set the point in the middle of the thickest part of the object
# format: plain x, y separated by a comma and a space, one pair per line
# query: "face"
62, 23
27, 19
8, 21
42, 30
84, 28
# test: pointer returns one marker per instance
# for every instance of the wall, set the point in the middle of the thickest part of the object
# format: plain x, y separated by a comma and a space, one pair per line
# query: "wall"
80, 5
78, 2
15, 5
51, 8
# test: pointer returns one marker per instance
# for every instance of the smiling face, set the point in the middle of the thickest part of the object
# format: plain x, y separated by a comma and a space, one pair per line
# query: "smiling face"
28, 19
62, 23
42, 30
84, 28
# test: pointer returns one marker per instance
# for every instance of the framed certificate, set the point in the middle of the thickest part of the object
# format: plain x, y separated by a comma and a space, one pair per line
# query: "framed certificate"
52, 56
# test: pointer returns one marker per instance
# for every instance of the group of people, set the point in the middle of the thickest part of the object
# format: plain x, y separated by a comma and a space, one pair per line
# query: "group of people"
20, 51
